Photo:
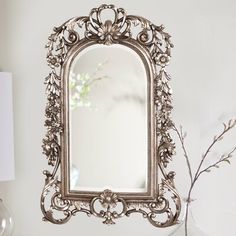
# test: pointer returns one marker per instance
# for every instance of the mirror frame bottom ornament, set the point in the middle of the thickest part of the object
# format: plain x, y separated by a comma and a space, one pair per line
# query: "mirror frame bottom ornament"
58, 207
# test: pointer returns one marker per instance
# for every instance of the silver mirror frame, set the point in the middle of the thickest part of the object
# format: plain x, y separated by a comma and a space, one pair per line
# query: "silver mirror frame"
161, 205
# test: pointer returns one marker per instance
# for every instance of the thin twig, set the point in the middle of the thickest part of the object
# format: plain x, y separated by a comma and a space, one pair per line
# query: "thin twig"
181, 138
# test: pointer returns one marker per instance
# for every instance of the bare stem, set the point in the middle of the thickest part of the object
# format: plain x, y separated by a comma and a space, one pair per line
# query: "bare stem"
187, 210
181, 138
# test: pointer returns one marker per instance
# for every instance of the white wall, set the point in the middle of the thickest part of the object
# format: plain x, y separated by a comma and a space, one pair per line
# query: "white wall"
203, 71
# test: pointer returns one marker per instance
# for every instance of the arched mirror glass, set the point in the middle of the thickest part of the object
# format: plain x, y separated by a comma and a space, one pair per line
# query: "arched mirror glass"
108, 120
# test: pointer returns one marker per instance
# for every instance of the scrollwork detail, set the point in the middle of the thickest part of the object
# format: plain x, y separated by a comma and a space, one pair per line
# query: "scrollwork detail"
108, 200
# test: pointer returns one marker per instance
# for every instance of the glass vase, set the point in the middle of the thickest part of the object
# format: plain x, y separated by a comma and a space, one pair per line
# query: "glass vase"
192, 228
6, 221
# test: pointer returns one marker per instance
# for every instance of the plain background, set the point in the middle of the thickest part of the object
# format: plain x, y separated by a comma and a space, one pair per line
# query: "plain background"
203, 71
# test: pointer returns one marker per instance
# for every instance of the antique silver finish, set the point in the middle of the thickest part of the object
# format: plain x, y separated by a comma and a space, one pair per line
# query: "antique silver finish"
153, 46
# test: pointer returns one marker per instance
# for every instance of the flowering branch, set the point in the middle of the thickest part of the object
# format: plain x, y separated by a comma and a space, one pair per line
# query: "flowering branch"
193, 178
216, 139
224, 158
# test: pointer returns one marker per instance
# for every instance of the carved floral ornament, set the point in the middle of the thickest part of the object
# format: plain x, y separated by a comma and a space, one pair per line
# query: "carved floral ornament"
156, 42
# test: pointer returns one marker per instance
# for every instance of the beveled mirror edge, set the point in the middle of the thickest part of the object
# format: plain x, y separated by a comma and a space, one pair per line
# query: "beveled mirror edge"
151, 37
65, 167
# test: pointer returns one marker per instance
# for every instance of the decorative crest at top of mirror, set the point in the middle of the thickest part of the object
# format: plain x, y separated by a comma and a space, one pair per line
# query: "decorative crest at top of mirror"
108, 141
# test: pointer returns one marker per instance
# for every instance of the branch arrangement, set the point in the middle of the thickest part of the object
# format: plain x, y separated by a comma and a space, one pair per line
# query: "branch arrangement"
200, 169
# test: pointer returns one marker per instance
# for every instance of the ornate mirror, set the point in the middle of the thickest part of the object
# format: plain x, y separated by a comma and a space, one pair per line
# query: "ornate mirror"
108, 120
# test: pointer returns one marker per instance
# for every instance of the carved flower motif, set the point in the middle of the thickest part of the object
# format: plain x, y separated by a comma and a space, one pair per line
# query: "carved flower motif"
162, 59
108, 32
53, 61
108, 198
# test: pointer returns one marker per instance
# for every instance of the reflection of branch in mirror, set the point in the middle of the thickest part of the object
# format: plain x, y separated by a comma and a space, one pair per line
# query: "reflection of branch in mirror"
80, 86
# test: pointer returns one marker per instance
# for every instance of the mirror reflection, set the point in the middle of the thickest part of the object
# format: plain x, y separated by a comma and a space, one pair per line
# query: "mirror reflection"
108, 120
